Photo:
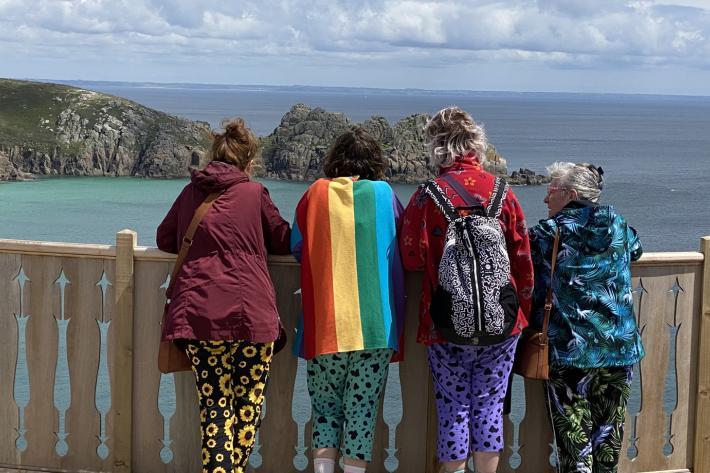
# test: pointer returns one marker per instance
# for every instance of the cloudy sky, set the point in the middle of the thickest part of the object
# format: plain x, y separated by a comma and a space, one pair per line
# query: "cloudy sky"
638, 46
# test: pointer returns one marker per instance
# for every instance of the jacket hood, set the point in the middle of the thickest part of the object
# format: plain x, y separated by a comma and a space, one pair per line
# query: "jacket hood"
589, 227
217, 176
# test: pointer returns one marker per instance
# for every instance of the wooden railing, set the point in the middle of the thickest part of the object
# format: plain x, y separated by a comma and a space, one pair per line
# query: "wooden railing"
80, 391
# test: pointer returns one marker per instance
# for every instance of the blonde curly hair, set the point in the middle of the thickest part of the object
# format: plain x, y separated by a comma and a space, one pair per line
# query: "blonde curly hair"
453, 132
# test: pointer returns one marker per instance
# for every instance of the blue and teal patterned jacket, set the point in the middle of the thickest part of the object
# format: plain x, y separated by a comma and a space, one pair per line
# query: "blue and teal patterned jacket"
592, 323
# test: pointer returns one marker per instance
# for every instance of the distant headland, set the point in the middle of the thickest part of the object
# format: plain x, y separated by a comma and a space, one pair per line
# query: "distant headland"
57, 130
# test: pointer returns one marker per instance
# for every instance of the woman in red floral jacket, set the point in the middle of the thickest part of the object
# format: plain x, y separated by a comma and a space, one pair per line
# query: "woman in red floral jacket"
470, 418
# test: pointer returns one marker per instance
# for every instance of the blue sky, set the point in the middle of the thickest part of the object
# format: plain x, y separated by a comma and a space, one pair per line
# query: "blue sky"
639, 46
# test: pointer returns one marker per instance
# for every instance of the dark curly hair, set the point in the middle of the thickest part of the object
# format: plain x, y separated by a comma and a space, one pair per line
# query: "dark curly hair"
355, 153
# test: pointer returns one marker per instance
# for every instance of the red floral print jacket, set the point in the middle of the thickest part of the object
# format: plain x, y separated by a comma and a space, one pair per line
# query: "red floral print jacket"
422, 241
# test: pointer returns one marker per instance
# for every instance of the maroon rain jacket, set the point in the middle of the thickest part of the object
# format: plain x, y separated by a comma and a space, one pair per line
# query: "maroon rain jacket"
223, 290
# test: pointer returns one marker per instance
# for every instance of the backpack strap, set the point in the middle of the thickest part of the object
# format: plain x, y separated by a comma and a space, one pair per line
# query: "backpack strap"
500, 191
432, 189
465, 195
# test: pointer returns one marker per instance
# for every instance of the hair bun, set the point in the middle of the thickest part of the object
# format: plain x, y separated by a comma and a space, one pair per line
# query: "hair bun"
236, 129
237, 145
597, 172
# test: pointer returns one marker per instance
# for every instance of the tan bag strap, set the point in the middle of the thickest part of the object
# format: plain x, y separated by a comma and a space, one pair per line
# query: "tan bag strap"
199, 214
548, 299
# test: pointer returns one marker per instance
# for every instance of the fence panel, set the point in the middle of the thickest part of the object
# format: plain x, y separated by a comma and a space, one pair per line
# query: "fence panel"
63, 370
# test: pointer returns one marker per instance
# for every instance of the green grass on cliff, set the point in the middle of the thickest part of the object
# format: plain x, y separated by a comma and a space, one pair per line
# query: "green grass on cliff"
23, 106
29, 112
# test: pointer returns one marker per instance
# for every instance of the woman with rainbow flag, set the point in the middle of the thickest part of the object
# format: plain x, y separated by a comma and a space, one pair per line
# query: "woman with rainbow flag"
345, 235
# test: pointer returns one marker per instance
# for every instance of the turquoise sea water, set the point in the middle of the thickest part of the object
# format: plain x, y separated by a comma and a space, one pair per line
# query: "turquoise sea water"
655, 151
93, 209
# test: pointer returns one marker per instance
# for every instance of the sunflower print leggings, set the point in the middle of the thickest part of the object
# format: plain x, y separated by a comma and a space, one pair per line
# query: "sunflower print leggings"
587, 408
230, 378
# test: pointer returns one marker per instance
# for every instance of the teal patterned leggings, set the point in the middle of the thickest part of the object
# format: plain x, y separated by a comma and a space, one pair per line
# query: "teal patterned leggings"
587, 409
345, 391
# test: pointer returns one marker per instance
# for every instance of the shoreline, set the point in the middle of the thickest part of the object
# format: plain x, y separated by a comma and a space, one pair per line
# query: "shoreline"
42, 177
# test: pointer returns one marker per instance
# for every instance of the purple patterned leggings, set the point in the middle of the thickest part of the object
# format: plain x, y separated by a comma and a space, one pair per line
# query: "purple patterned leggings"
470, 383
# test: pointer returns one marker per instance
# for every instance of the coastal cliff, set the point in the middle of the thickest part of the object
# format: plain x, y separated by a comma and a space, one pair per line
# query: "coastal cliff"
50, 129
297, 147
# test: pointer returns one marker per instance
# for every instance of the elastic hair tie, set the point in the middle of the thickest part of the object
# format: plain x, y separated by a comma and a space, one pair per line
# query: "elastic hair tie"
600, 171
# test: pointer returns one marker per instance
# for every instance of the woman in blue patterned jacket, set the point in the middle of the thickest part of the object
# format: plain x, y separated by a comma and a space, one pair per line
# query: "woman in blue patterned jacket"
594, 340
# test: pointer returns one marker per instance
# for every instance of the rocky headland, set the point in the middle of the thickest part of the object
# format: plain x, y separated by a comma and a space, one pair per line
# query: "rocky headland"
50, 129
295, 150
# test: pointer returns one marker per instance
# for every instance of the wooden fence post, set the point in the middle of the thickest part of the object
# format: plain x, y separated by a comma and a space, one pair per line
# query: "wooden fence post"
701, 462
126, 241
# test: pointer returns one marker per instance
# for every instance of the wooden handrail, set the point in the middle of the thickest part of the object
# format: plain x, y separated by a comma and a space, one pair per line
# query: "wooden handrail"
147, 253
51, 248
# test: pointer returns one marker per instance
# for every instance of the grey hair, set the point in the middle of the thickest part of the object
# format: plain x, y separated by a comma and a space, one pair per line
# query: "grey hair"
582, 177
453, 132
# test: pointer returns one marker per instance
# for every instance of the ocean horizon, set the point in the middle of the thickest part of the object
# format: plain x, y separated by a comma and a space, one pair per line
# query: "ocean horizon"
655, 151
92, 84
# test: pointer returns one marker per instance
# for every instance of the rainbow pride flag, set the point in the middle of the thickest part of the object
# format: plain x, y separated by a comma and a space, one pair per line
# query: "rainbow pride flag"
352, 283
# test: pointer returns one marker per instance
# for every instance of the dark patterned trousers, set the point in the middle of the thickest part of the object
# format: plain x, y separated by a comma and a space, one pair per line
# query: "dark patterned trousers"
587, 410
230, 378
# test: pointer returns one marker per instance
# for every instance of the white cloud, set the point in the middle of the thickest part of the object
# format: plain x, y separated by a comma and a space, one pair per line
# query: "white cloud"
408, 33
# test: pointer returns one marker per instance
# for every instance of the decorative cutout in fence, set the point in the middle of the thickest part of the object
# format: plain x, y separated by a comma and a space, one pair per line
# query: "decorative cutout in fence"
255, 459
516, 416
670, 392
301, 413
392, 415
635, 405
62, 381
167, 402
103, 378
22, 376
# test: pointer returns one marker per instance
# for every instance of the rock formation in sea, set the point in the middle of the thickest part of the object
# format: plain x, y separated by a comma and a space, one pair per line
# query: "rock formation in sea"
297, 147
49, 129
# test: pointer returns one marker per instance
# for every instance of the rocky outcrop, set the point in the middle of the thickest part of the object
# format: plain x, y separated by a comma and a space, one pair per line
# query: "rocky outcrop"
60, 130
50, 129
297, 147
526, 177
403, 145
8, 171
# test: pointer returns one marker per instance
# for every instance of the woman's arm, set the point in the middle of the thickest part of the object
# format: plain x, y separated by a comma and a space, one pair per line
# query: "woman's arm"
277, 232
296, 235
166, 236
413, 238
635, 247
539, 249
518, 246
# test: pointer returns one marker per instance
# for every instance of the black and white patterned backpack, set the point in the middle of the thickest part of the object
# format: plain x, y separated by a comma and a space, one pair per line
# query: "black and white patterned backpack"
475, 302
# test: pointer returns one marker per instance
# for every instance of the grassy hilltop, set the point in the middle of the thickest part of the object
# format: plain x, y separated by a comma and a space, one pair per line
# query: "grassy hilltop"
51, 129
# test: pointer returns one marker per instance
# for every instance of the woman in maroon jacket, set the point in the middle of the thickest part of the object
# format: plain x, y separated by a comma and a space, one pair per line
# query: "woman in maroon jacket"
223, 307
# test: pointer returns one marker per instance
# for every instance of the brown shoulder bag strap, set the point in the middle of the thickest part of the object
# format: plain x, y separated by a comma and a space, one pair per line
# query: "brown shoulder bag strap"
187, 239
548, 299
